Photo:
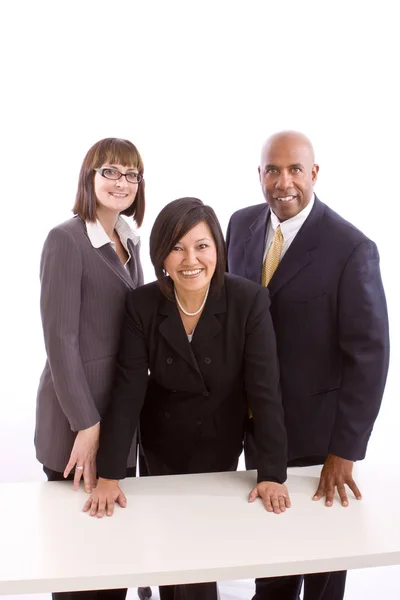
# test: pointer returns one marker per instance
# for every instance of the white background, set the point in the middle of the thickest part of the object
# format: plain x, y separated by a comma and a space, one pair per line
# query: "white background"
197, 86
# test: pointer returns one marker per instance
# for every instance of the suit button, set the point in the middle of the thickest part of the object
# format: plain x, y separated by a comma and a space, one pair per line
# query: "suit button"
170, 360
167, 415
199, 421
206, 394
173, 391
207, 360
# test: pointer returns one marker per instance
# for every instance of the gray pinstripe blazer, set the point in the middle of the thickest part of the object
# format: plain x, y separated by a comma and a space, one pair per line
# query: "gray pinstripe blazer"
83, 293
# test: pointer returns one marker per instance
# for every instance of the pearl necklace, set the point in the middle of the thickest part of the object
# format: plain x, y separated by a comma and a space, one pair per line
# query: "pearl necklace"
185, 312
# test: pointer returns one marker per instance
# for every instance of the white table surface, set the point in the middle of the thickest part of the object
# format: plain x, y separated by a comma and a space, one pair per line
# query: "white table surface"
190, 528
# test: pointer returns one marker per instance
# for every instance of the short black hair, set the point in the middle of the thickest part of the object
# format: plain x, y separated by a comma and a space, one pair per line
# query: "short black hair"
171, 225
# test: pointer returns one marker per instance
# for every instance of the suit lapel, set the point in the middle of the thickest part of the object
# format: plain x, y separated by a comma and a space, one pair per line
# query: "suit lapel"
299, 254
133, 266
110, 257
254, 246
174, 333
209, 326
206, 330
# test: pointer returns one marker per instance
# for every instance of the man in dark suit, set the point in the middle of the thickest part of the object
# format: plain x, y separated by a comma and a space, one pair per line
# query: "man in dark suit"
329, 312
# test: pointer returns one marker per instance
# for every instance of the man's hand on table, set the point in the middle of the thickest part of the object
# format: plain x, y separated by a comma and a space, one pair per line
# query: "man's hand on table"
274, 496
336, 473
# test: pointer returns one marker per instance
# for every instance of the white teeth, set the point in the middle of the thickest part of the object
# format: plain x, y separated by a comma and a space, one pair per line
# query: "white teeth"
194, 272
285, 199
118, 195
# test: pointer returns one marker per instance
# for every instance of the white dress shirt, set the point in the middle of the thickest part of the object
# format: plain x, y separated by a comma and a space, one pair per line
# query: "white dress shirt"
98, 236
289, 228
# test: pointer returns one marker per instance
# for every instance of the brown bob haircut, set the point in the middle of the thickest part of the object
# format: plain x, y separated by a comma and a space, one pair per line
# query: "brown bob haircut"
171, 225
112, 151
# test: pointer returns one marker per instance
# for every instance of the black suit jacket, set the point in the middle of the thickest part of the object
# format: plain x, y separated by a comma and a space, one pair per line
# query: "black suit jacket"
330, 318
194, 401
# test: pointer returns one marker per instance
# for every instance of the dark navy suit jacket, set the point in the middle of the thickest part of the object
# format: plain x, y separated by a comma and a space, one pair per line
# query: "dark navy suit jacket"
330, 317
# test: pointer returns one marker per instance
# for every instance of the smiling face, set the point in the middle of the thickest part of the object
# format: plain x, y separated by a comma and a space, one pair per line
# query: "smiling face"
287, 173
114, 195
192, 261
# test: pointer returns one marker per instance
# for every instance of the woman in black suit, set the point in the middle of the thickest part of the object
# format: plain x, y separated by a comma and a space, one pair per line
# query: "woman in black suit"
197, 352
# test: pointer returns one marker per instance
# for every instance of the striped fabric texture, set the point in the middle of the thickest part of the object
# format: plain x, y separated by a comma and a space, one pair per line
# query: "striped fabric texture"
83, 291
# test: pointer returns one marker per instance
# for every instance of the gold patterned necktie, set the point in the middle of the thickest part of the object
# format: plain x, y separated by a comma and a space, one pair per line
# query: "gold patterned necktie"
273, 256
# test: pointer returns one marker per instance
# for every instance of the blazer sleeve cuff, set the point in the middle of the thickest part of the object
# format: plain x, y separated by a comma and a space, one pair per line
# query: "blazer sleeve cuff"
275, 477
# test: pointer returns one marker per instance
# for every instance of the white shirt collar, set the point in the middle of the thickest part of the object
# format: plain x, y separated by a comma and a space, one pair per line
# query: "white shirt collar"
291, 226
98, 236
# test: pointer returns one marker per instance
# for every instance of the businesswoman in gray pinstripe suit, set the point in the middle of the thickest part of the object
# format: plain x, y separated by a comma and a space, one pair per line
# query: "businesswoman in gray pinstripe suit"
88, 265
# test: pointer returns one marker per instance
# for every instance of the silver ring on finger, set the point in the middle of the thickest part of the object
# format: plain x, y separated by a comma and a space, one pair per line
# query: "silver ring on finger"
79, 467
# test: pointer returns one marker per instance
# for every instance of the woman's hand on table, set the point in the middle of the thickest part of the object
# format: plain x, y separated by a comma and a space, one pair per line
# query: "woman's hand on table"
274, 496
83, 457
103, 498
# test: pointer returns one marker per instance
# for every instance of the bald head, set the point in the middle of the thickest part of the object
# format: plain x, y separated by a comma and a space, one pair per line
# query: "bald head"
289, 140
287, 173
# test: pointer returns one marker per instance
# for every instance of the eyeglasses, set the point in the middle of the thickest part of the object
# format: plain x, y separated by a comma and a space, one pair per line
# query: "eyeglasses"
115, 175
